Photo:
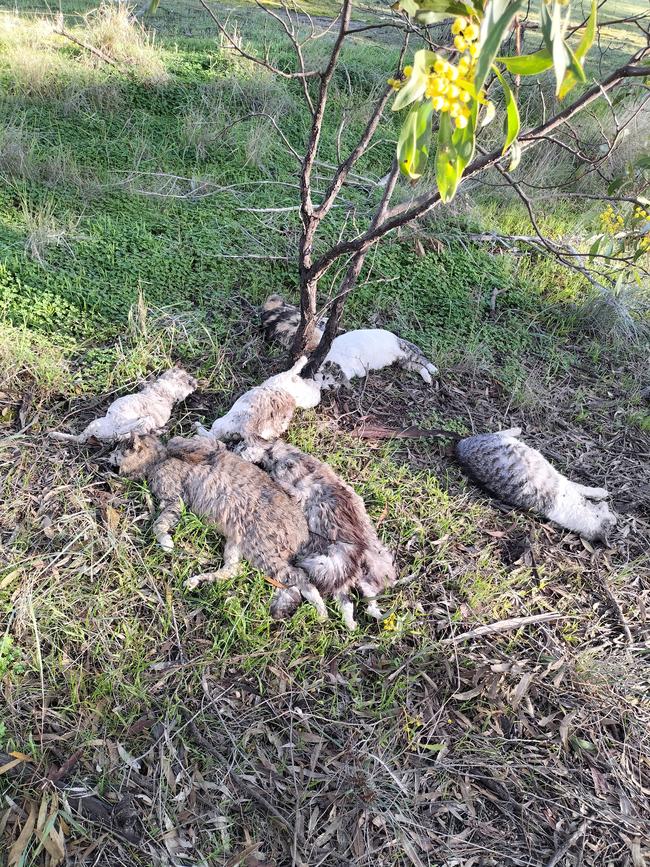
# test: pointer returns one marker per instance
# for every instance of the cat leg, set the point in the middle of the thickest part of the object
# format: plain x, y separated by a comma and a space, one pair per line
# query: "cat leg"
201, 430
293, 577
369, 590
231, 560
140, 427
591, 493
414, 367
167, 519
347, 610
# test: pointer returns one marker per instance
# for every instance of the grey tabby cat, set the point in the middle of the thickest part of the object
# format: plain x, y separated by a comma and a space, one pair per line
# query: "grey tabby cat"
520, 475
259, 521
346, 552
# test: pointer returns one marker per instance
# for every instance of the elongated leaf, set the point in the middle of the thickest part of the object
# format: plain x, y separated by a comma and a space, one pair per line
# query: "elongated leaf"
515, 155
498, 16
595, 247
153, 6
413, 144
558, 48
464, 141
443, 7
528, 64
571, 78
417, 83
446, 167
513, 123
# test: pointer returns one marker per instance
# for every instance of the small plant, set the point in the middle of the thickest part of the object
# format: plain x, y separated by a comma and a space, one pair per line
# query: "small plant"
43, 231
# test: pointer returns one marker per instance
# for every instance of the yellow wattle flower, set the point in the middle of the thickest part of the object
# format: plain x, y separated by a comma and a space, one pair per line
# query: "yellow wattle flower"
471, 33
461, 121
459, 25
459, 42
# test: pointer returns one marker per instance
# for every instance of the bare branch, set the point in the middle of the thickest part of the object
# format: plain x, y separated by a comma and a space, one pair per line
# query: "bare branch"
237, 48
361, 147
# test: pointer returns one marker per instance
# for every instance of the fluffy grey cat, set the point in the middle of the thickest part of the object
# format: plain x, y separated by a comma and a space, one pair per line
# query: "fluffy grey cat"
147, 411
520, 475
259, 521
346, 551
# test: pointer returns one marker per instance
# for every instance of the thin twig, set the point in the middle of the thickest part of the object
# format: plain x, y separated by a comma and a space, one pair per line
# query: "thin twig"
504, 626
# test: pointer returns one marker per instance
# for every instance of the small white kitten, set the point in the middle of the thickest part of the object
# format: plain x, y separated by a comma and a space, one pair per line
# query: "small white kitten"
145, 412
266, 410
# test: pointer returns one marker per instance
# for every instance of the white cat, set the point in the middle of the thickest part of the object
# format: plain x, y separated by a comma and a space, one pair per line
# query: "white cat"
266, 410
145, 412
352, 354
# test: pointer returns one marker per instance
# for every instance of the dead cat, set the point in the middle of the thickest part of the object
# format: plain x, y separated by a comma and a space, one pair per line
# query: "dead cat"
347, 553
147, 411
266, 410
353, 353
259, 521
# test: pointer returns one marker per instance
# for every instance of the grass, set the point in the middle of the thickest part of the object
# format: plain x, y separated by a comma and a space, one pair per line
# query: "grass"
212, 735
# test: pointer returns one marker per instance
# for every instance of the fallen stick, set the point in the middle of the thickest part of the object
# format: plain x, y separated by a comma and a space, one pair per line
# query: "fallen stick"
504, 626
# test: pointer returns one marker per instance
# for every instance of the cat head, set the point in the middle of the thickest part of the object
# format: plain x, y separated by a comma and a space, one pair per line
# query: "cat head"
178, 382
598, 518
136, 455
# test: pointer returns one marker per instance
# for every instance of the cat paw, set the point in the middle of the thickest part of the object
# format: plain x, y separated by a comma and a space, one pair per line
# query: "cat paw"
166, 542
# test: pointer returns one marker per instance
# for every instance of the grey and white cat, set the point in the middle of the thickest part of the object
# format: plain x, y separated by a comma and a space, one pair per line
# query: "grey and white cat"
353, 353
520, 475
145, 412
266, 410
346, 550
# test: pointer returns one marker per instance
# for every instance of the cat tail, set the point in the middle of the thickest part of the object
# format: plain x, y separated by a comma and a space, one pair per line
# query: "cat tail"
194, 450
415, 360
332, 571
65, 437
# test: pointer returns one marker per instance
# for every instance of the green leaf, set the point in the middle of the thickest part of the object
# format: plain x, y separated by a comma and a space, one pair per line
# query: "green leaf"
595, 247
528, 64
413, 144
443, 7
572, 78
153, 6
446, 166
643, 162
513, 123
515, 155
490, 112
464, 141
498, 15
417, 83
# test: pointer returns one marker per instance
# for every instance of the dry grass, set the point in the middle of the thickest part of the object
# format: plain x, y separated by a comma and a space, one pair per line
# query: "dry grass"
113, 30
44, 231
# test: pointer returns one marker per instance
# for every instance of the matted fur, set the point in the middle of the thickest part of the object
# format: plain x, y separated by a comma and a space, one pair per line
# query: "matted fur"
352, 354
280, 321
266, 410
346, 551
260, 522
145, 412
520, 475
